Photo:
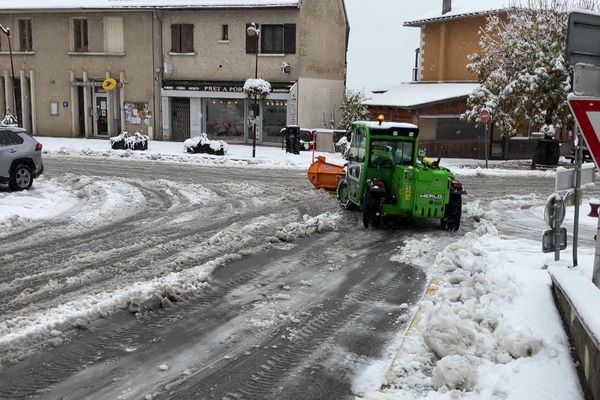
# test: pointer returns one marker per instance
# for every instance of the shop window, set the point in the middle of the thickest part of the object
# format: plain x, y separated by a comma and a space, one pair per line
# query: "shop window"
80, 34
25, 35
113, 35
225, 33
274, 119
182, 38
274, 39
225, 118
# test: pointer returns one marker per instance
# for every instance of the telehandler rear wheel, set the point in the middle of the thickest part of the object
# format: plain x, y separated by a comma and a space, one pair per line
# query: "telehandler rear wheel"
451, 220
371, 207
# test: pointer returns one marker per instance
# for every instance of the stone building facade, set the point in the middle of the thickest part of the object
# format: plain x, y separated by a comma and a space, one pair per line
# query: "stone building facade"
179, 66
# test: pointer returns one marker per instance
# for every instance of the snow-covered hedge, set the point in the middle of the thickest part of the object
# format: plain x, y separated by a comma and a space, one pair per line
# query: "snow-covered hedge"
125, 141
257, 87
9, 120
202, 144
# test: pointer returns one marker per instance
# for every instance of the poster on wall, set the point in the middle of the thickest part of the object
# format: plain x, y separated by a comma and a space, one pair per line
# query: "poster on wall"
138, 113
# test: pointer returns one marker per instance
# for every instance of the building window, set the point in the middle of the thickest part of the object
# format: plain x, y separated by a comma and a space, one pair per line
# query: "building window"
25, 35
80, 34
278, 39
225, 118
225, 33
274, 39
182, 38
113, 35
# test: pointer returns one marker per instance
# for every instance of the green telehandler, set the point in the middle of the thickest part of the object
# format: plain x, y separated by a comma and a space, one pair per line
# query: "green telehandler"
384, 177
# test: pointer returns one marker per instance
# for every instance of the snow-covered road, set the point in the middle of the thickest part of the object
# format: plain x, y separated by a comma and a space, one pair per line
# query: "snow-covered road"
152, 280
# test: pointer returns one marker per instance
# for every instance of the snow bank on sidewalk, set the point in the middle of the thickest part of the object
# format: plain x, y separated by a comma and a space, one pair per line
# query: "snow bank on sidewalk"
237, 155
487, 329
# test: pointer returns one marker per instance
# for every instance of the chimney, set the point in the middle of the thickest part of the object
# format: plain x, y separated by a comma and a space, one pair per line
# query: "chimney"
446, 6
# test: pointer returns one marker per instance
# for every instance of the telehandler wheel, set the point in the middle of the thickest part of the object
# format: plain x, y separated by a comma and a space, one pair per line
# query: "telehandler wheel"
342, 194
371, 208
451, 220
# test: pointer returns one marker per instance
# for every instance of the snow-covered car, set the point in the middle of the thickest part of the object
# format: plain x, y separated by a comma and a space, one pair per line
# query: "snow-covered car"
20, 158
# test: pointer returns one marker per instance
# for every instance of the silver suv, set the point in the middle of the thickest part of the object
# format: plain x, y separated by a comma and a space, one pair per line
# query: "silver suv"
20, 158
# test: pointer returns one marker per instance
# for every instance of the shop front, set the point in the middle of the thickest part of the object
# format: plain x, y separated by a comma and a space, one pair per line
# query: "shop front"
223, 111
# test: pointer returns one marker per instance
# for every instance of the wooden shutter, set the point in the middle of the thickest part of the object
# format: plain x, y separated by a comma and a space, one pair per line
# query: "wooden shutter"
176, 38
187, 38
251, 41
289, 38
113, 34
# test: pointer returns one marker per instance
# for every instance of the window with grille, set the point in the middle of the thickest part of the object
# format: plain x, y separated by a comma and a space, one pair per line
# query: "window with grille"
225, 33
80, 34
25, 35
182, 38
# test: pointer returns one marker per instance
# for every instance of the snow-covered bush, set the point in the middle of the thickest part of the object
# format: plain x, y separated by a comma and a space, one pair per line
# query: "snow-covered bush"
257, 88
125, 141
353, 109
9, 120
202, 144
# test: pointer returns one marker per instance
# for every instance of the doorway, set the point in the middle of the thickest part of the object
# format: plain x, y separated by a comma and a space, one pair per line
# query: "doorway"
180, 119
100, 107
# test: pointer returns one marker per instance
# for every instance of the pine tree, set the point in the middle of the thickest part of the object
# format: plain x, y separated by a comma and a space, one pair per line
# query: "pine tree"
524, 76
353, 109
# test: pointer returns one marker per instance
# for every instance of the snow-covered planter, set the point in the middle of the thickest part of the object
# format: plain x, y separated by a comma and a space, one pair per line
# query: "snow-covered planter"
342, 145
257, 88
9, 120
125, 141
202, 144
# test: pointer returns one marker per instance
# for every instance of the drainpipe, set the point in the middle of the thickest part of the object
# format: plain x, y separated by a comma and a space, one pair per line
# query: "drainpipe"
416, 68
158, 106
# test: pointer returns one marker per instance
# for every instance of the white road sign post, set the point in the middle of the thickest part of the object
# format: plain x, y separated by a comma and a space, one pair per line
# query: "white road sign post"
484, 117
587, 114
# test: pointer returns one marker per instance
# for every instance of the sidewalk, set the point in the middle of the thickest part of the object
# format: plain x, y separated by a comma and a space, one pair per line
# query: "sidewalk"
237, 155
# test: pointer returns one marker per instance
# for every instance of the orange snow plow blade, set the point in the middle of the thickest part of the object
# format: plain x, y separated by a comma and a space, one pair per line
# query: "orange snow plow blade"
325, 175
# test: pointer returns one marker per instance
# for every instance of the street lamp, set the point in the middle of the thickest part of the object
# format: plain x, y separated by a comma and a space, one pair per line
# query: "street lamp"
254, 31
6, 32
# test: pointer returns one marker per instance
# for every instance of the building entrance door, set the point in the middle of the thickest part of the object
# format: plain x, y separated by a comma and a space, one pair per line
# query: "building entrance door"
100, 106
180, 119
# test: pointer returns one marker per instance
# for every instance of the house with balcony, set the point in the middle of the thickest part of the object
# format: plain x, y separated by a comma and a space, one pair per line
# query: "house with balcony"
179, 66
437, 96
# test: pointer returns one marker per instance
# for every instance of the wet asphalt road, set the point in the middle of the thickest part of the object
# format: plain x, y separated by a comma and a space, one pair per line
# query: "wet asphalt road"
294, 319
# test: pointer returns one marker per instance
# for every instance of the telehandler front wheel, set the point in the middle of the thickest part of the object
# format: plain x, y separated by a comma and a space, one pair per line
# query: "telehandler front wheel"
343, 195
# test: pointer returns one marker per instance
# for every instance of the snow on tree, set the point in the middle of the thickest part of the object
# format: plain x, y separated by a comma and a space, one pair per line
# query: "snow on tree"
257, 87
353, 109
524, 76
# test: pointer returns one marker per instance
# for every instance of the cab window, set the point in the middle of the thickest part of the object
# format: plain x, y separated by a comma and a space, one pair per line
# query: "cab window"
362, 145
390, 153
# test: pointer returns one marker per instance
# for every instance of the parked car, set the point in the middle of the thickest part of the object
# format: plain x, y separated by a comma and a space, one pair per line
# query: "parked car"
20, 158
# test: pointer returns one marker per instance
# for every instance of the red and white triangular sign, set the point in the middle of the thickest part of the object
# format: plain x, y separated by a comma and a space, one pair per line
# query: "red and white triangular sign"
587, 114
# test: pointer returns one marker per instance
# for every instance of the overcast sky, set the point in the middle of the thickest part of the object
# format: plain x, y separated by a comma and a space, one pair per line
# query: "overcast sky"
381, 51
